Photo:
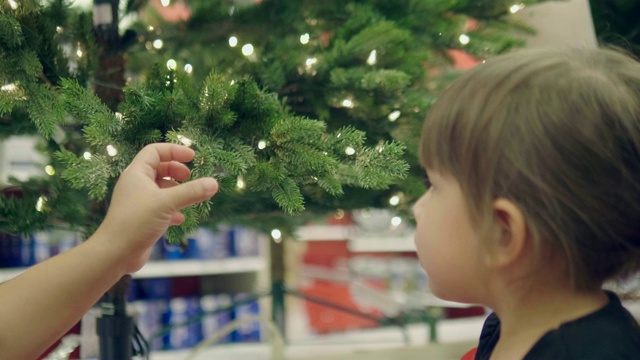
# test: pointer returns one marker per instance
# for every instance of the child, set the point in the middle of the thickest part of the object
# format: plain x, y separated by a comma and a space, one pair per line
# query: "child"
40, 305
534, 161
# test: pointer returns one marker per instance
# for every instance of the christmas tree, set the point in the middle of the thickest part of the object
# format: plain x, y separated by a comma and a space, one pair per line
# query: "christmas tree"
297, 107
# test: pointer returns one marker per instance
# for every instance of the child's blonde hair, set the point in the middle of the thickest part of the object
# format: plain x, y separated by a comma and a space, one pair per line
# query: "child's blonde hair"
557, 133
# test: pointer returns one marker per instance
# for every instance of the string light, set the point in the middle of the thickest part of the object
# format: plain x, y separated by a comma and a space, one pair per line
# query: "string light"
49, 170
9, 87
172, 64
59, 29
394, 200
165, 3
304, 39
394, 115
188, 68
40, 204
276, 235
86, 155
233, 41
158, 44
112, 151
119, 116
349, 151
240, 184
310, 62
347, 103
150, 28
464, 39
247, 50
13, 4
396, 220
262, 144
516, 7
372, 59
79, 52
185, 140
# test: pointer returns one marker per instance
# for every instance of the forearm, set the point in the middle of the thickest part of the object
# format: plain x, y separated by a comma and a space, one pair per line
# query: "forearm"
40, 305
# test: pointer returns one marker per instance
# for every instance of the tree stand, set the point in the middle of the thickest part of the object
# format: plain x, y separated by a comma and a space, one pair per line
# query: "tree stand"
115, 327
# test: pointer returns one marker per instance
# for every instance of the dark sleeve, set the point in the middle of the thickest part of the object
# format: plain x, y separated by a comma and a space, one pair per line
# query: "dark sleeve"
488, 337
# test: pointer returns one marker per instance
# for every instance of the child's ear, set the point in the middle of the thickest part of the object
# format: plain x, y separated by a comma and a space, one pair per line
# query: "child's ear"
510, 236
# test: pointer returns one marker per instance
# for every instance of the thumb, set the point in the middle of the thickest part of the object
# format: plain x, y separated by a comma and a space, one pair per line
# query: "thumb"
191, 192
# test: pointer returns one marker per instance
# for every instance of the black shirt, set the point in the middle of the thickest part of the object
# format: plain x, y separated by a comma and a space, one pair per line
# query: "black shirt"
606, 334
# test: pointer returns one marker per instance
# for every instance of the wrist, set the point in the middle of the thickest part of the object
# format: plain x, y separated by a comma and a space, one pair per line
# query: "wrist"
101, 243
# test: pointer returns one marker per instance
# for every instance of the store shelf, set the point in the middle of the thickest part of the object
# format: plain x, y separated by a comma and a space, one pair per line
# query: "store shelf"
325, 232
10, 273
357, 240
381, 243
155, 269
175, 268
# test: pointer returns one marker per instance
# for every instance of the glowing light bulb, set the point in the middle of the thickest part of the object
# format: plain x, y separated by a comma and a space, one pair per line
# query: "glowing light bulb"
8, 87
119, 116
49, 170
172, 64
185, 140
347, 103
13, 4
310, 62
59, 29
233, 41
158, 44
276, 234
86, 155
262, 144
464, 39
373, 57
79, 52
515, 8
247, 49
304, 39
165, 3
396, 220
150, 28
42, 201
112, 151
394, 115
240, 184
394, 200
349, 151
188, 68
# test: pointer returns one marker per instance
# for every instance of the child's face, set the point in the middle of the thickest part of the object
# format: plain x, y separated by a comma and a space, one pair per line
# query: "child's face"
447, 246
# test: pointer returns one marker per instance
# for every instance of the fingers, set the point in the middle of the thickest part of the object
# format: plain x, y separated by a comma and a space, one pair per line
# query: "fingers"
177, 218
165, 184
154, 154
191, 192
174, 170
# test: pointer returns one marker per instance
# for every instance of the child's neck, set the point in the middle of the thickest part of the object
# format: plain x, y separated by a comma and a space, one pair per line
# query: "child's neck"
525, 318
